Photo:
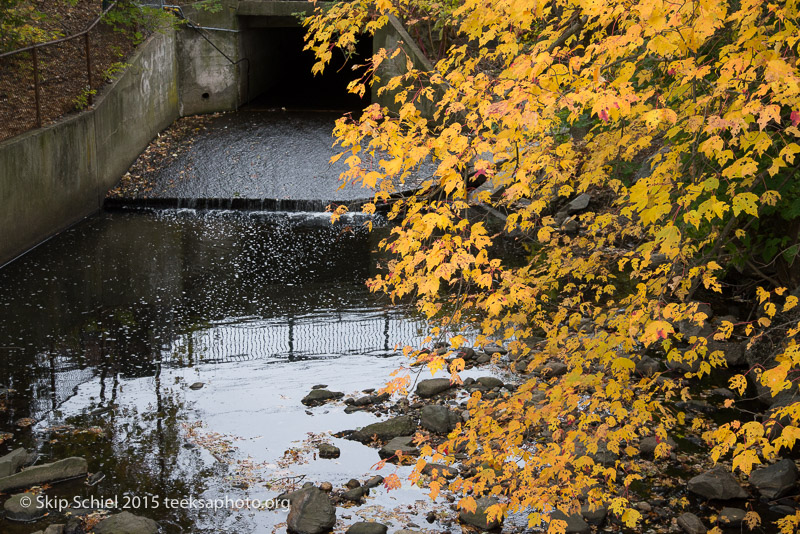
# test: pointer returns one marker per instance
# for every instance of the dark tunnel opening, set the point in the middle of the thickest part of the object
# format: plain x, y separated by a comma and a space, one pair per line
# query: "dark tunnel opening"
279, 70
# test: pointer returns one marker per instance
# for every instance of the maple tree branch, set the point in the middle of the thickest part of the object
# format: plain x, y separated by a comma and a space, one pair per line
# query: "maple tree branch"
572, 30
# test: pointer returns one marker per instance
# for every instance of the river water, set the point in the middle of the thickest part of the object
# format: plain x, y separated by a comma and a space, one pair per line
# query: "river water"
105, 326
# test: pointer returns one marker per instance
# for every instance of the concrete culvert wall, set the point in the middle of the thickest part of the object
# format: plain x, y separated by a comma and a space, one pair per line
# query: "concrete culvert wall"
53, 177
279, 70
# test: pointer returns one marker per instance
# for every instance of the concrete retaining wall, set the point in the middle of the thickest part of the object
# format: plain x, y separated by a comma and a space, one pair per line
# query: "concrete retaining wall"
52, 177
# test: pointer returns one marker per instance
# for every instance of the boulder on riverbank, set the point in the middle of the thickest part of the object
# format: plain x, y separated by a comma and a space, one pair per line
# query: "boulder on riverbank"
311, 512
438, 419
46, 473
775, 481
717, 483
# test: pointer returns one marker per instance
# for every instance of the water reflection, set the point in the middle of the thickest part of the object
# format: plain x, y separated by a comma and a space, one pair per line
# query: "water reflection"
127, 304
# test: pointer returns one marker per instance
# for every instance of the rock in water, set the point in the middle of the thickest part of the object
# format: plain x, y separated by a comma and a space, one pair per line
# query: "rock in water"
40, 474
575, 522
74, 526
321, 396
374, 482
551, 369
311, 513
24, 507
403, 444
647, 366
581, 202
364, 401
691, 524
494, 348
731, 517
717, 483
433, 386
490, 382
11, 462
441, 470
367, 528
596, 516
438, 419
126, 523
355, 495
775, 481
648, 445
326, 450
479, 518
386, 430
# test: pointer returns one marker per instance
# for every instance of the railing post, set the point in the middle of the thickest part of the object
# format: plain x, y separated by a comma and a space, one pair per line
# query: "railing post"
88, 64
36, 87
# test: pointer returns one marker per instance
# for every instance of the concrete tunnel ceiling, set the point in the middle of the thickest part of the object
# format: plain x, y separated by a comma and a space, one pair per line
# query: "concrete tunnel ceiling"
279, 70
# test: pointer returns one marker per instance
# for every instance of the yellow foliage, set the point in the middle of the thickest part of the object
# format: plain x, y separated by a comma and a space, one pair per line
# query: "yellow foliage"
707, 95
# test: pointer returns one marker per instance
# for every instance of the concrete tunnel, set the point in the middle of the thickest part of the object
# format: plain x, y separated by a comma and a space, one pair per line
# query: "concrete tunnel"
253, 54
277, 71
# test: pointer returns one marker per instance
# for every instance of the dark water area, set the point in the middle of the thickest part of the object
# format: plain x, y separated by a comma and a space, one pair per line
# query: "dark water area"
103, 328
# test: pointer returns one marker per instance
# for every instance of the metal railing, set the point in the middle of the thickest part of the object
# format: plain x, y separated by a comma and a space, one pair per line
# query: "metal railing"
50, 65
